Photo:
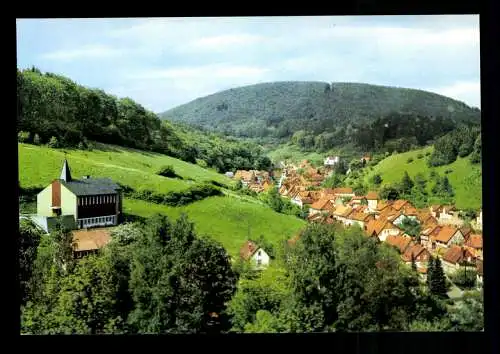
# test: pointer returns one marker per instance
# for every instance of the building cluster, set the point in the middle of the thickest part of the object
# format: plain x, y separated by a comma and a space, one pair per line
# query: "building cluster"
257, 181
442, 231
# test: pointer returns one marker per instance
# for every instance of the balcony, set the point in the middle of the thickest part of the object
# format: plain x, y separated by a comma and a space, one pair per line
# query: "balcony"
109, 220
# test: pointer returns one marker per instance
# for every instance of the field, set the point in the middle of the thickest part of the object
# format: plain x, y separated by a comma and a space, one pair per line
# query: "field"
464, 177
226, 219
38, 166
229, 219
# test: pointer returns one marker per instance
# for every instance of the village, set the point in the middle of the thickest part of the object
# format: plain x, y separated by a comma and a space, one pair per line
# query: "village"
443, 233
92, 206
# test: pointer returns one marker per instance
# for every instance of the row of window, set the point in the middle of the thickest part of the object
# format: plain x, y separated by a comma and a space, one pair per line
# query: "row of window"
97, 199
95, 221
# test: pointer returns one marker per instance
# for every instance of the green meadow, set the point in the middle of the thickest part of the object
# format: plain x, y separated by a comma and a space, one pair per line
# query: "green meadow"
465, 178
230, 219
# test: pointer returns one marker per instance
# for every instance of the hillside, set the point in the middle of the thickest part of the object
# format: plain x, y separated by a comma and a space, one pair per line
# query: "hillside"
279, 109
464, 177
224, 218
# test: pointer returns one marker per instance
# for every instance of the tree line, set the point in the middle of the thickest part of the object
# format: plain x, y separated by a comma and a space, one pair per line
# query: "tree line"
160, 277
56, 111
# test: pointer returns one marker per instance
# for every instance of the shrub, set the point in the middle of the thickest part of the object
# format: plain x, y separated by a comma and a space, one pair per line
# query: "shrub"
81, 146
36, 139
53, 142
465, 278
23, 137
410, 160
167, 171
420, 156
428, 153
448, 171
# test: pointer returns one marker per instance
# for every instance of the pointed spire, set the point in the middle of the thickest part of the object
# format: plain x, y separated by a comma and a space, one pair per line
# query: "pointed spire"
65, 172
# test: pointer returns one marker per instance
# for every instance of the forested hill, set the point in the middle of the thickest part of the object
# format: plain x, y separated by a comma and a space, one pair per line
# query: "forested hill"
54, 110
277, 110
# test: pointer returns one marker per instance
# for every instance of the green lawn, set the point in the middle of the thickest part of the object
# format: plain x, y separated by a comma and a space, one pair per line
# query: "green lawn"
465, 177
226, 219
38, 166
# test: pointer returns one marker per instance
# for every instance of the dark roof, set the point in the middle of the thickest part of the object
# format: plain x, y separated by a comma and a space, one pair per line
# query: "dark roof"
92, 186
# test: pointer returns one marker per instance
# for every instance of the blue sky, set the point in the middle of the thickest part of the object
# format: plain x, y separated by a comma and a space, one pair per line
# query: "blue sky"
165, 62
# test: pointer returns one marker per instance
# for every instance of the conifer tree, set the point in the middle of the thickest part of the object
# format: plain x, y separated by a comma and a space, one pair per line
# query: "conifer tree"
437, 281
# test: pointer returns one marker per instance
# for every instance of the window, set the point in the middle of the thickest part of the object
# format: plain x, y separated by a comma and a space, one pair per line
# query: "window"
259, 262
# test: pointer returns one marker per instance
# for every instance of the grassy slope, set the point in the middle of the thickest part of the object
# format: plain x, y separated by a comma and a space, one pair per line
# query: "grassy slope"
465, 178
224, 218
227, 220
39, 165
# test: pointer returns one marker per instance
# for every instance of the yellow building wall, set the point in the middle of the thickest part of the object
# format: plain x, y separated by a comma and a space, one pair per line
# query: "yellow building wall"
44, 202
68, 202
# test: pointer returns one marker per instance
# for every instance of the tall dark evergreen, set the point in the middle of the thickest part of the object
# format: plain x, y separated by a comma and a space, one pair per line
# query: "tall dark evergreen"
437, 280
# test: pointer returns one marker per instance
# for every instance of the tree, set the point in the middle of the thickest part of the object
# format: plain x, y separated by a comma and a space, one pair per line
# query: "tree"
53, 142
436, 279
406, 183
410, 226
376, 179
180, 283
389, 192
36, 139
29, 239
23, 137
468, 315
167, 171
465, 278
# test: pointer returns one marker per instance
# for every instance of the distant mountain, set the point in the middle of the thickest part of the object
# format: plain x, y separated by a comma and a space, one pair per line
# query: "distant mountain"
279, 109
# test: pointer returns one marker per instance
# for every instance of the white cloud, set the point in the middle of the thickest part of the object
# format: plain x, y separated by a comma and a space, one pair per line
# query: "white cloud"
222, 42
91, 51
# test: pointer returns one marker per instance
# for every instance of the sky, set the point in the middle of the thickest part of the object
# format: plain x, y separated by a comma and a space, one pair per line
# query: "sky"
164, 62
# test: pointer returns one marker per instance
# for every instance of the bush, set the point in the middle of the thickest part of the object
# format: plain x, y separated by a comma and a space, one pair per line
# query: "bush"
448, 171
81, 146
90, 146
410, 160
53, 142
167, 171
420, 156
37, 140
23, 137
428, 153
465, 278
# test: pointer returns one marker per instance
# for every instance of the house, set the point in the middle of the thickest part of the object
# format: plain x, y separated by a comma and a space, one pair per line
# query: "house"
343, 192
92, 202
416, 252
341, 213
400, 242
455, 257
359, 216
372, 199
246, 177
321, 206
356, 201
426, 234
87, 242
301, 198
382, 229
466, 231
447, 236
250, 251
331, 160
475, 242
229, 174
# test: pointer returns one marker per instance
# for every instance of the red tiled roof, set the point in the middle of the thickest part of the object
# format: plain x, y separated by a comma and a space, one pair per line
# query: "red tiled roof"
343, 191
248, 249
475, 241
400, 242
445, 234
322, 204
456, 254
89, 240
372, 196
398, 204
415, 250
